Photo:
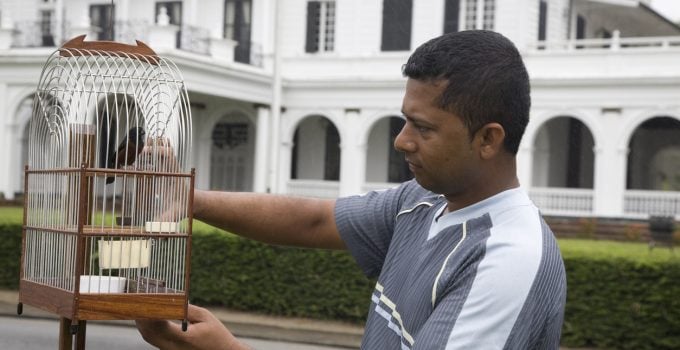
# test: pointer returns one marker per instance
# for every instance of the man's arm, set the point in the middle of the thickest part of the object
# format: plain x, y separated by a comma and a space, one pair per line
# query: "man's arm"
273, 219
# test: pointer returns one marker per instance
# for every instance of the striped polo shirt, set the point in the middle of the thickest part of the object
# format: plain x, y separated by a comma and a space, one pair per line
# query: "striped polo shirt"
487, 276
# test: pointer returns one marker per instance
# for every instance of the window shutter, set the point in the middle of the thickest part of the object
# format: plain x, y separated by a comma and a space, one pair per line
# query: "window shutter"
451, 16
396, 26
313, 12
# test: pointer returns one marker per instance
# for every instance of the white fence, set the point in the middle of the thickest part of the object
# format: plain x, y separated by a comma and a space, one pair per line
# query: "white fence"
614, 43
642, 204
314, 188
563, 201
550, 200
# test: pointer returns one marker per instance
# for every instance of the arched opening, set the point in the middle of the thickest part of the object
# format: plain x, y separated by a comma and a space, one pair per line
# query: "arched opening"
654, 155
231, 154
316, 150
563, 154
383, 162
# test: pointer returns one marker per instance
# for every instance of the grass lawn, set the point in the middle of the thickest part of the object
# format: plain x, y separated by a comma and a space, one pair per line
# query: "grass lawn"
609, 249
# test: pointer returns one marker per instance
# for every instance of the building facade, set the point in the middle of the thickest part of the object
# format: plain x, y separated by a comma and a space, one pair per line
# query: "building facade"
304, 97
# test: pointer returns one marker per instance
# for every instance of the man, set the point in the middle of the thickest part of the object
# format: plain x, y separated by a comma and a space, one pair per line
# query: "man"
463, 257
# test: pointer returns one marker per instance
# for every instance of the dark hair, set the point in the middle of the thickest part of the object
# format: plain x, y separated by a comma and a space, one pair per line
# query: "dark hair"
486, 80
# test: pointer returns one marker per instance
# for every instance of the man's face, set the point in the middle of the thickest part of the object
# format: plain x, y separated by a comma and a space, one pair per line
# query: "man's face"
435, 142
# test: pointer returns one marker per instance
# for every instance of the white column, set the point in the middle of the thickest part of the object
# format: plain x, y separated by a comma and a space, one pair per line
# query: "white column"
6, 30
284, 152
6, 131
352, 156
83, 26
610, 180
262, 149
525, 159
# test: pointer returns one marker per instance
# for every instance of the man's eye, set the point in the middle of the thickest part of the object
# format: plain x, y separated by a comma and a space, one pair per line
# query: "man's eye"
423, 128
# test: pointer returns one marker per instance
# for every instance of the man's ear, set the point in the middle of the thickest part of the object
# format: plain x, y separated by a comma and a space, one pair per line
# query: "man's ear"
490, 139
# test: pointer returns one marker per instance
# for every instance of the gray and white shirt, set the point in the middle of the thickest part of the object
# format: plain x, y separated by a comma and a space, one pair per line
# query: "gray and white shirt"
488, 276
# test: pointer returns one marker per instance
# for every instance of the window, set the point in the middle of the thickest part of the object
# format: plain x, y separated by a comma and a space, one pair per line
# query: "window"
102, 17
470, 14
396, 25
451, 12
320, 26
174, 11
489, 11
46, 27
542, 19
480, 14
237, 20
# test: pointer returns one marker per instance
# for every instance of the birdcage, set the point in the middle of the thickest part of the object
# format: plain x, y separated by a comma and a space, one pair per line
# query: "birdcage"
108, 188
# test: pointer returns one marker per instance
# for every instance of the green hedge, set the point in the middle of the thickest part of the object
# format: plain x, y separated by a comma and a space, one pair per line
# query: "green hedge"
619, 296
246, 275
617, 302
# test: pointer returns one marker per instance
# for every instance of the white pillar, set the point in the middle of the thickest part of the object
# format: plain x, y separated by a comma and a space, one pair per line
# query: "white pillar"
610, 180
525, 159
284, 152
6, 30
6, 132
83, 26
352, 156
262, 149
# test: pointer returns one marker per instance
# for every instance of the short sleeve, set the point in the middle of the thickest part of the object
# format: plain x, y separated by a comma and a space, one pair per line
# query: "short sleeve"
366, 225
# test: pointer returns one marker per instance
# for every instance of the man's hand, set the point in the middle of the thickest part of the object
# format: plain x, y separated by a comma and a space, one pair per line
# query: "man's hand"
205, 332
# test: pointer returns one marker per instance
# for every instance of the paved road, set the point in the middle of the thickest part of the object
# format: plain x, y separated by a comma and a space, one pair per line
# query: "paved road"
23, 333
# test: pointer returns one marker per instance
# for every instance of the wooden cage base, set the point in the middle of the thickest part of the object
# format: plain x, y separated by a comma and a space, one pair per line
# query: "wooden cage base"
101, 306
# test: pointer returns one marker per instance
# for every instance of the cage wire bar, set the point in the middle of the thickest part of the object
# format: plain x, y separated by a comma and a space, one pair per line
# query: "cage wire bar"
108, 186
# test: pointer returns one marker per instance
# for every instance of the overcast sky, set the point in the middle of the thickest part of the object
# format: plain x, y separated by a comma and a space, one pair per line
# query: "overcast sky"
669, 8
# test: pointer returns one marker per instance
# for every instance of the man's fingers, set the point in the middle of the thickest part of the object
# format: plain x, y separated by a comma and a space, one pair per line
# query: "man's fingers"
196, 314
160, 333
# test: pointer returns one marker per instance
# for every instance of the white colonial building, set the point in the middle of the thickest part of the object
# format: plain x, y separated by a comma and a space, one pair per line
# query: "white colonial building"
303, 97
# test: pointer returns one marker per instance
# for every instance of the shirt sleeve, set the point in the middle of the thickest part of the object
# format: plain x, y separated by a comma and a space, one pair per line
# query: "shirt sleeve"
366, 225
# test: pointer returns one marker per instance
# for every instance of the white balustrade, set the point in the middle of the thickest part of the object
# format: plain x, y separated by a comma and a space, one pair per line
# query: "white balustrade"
642, 204
615, 43
314, 188
563, 201
377, 186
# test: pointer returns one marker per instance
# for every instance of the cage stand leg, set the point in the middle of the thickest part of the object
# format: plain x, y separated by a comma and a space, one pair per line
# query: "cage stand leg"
71, 336
185, 325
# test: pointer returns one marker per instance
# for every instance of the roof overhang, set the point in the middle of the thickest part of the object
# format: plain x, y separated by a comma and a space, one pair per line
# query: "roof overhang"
631, 18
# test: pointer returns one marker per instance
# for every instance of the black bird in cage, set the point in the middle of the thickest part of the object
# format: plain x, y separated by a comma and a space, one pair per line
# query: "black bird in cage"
127, 151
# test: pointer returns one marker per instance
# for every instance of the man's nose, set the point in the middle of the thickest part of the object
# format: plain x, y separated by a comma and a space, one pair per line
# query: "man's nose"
403, 142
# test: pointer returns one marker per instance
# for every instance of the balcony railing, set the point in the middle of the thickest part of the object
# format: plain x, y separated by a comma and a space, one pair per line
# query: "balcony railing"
195, 39
314, 188
642, 204
563, 201
35, 34
614, 43
376, 186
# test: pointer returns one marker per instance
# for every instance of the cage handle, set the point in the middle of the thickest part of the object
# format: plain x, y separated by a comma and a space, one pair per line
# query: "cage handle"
79, 47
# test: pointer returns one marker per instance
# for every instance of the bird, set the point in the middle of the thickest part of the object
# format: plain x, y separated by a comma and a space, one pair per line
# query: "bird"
127, 151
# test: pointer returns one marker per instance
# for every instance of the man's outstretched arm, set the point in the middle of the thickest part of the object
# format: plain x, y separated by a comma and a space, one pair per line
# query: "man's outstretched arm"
273, 219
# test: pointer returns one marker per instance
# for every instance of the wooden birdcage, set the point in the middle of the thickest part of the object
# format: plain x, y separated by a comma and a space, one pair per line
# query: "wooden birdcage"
108, 188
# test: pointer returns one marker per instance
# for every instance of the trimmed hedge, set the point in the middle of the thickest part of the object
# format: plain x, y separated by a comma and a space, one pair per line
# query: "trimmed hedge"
246, 275
615, 302
624, 300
